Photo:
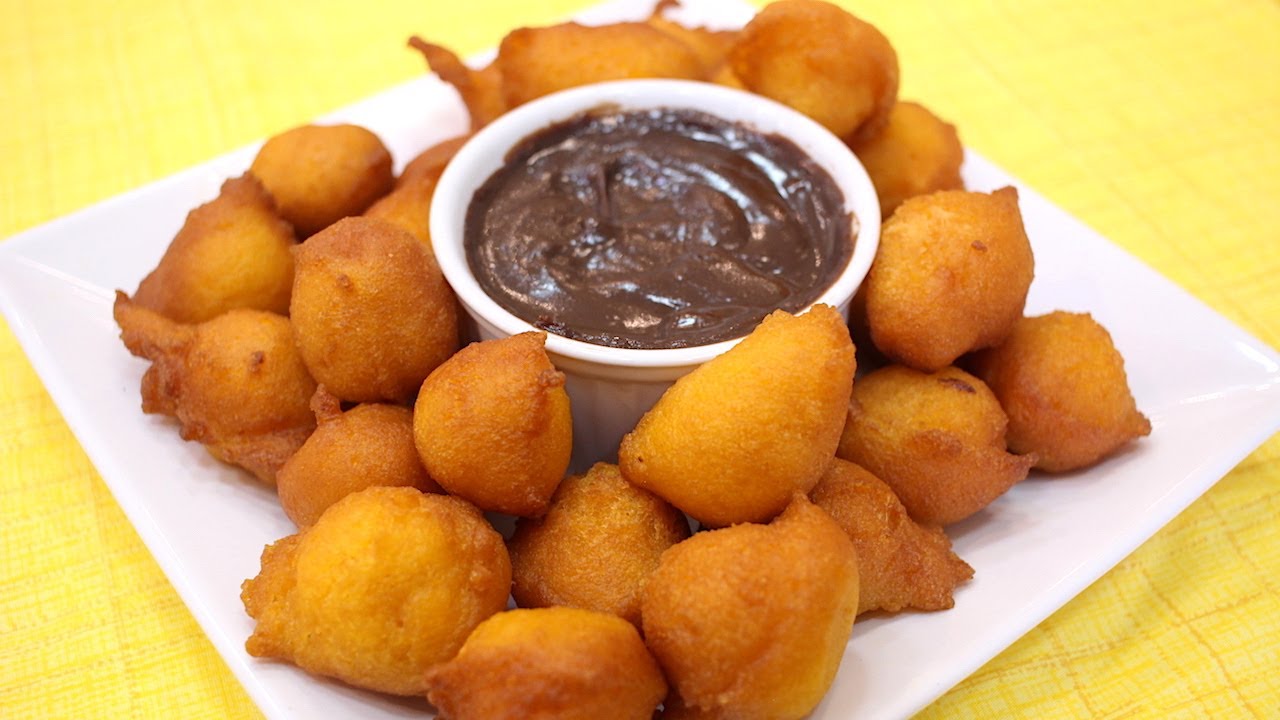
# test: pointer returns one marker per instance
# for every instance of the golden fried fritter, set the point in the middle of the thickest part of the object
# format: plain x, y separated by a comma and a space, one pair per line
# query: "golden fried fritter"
900, 564
751, 621
733, 440
1062, 383
595, 547
232, 252
430, 163
234, 383
387, 583
711, 46
724, 76
319, 174
822, 61
538, 61
369, 445
481, 90
916, 153
549, 664
937, 439
408, 207
492, 425
951, 275
409, 204
371, 310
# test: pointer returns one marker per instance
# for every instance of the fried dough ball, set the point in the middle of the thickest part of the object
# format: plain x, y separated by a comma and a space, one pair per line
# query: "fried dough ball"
408, 206
724, 76
595, 547
492, 425
430, 163
822, 61
916, 153
901, 564
951, 275
232, 252
1062, 382
370, 445
733, 440
234, 383
937, 439
319, 174
387, 583
481, 90
539, 61
751, 621
549, 664
711, 46
371, 309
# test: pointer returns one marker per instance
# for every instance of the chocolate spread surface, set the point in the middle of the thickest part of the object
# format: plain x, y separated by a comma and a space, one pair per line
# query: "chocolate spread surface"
656, 229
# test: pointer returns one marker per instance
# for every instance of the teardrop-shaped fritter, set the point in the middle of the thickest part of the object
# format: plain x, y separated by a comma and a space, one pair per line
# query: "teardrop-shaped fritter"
937, 439
733, 440
1062, 383
232, 252
751, 621
951, 275
493, 425
901, 564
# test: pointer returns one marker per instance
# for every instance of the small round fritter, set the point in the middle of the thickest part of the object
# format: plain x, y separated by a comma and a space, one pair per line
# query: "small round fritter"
387, 583
915, 154
951, 275
937, 439
1062, 382
733, 440
901, 564
371, 310
492, 425
595, 547
408, 206
319, 174
549, 664
539, 61
751, 621
234, 383
232, 252
367, 446
817, 58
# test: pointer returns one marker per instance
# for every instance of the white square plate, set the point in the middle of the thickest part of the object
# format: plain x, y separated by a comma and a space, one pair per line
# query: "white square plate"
1212, 393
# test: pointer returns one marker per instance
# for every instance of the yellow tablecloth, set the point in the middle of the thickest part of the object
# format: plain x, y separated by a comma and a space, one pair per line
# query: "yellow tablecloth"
1156, 123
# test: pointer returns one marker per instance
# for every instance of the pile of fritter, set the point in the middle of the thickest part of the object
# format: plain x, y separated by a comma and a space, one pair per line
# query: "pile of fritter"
299, 327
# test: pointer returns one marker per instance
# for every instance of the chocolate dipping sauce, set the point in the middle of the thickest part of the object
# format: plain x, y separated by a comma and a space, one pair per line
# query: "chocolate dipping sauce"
655, 229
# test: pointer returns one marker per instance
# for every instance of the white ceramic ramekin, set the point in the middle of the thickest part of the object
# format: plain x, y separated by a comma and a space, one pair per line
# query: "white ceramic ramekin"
610, 388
